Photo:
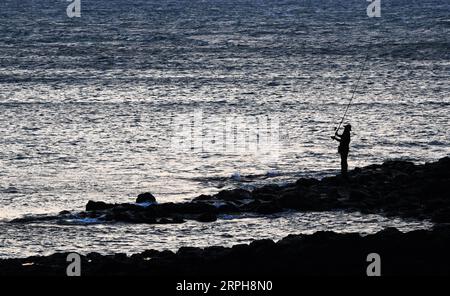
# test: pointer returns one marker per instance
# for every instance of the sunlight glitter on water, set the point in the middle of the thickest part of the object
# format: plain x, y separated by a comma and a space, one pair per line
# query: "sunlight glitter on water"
227, 231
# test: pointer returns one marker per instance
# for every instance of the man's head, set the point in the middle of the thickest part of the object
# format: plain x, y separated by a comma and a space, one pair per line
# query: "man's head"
347, 127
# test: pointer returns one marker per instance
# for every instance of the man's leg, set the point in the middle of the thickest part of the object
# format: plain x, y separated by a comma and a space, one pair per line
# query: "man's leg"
344, 164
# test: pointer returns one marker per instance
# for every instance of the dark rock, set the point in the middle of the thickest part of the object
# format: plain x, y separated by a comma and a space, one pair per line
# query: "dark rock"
207, 217
178, 220
163, 221
266, 193
228, 208
203, 198
331, 181
239, 252
263, 243
396, 188
323, 253
166, 254
290, 201
359, 195
145, 198
302, 203
269, 208
98, 206
187, 208
265, 196
189, 252
306, 182
120, 257
232, 195
148, 254
251, 206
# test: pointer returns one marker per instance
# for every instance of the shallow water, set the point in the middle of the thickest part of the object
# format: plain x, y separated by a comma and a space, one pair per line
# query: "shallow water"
90, 107
86, 237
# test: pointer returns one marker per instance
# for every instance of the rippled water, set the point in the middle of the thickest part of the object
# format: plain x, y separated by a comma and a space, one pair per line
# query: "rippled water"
89, 106
227, 231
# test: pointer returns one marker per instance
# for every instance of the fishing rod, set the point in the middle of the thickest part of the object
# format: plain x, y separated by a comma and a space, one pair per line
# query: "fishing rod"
354, 90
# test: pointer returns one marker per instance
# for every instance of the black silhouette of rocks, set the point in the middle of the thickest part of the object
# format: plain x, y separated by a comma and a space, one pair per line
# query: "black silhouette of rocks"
145, 198
323, 253
97, 206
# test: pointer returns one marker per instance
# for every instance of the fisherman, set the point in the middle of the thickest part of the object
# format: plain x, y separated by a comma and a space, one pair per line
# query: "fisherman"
344, 147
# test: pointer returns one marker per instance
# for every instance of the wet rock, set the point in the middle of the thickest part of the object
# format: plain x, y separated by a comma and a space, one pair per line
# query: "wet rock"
306, 182
145, 198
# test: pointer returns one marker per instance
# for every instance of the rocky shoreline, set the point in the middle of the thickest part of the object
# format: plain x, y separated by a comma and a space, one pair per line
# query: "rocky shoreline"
323, 253
394, 188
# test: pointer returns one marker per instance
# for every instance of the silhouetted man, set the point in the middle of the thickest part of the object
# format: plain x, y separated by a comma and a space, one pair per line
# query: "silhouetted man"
344, 147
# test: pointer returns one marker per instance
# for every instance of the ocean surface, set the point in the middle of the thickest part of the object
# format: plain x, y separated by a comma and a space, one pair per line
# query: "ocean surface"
182, 98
